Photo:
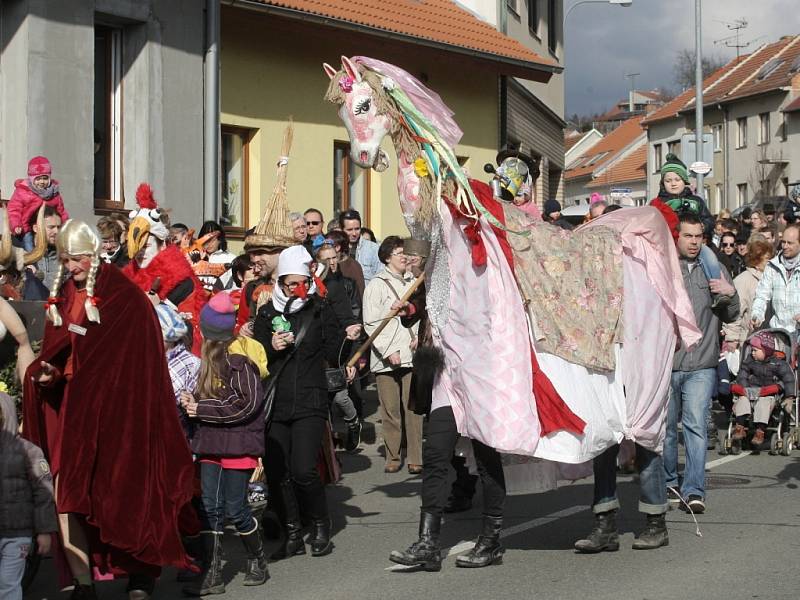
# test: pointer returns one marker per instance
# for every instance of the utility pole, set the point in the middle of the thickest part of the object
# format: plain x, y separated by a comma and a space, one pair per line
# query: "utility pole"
632, 77
698, 103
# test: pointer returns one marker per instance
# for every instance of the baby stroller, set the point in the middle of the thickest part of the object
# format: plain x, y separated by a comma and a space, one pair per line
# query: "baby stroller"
782, 419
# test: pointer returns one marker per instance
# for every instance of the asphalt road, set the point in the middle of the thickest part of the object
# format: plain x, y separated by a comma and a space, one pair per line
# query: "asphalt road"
748, 549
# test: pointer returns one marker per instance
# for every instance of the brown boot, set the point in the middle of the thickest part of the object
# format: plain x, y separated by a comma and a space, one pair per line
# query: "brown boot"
758, 438
739, 432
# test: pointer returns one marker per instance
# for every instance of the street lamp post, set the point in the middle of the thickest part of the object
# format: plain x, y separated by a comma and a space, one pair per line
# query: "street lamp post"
698, 104
624, 3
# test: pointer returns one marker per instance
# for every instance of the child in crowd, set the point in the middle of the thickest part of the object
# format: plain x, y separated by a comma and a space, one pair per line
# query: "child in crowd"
674, 198
228, 412
184, 367
27, 508
28, 196
761, 376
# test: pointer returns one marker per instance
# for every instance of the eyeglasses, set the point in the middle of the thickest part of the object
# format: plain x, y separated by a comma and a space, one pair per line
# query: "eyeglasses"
292, 285
313, 222
728, 245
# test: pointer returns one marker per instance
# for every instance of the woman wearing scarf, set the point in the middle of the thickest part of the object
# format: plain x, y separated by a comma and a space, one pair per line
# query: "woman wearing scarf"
300, 333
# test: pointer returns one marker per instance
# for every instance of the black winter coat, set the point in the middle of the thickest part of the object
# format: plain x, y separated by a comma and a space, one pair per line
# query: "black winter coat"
754, 373
301, 388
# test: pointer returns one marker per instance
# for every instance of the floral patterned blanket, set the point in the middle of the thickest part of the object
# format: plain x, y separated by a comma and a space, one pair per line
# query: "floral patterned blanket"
572, 287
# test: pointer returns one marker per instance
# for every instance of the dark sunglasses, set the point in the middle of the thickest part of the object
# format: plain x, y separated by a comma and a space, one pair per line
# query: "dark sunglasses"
313, 222
728, 245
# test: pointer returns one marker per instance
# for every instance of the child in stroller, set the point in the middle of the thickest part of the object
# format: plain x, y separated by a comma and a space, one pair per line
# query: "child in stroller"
765, 375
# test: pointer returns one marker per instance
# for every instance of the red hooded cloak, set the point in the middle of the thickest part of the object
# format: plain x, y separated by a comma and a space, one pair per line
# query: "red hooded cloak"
112, 430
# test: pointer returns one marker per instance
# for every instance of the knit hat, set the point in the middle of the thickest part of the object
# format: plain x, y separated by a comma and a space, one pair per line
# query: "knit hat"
218, 317
173, 327
39, 165
764, 341
595, 198
673, 164
551, 206
294, 261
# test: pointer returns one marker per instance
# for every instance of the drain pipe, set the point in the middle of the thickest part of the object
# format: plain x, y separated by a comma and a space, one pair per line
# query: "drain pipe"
211, 113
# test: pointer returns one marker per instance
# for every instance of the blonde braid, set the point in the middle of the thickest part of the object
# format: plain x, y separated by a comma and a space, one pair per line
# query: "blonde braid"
52, 308
91, 310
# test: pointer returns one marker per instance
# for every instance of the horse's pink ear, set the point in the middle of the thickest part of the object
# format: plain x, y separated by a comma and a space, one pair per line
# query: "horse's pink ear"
329, 70
351, 69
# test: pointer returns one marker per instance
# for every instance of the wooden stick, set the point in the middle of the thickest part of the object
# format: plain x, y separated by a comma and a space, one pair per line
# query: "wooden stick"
392, 313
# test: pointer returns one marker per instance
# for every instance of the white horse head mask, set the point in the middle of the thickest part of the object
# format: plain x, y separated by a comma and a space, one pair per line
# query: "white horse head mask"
365, 126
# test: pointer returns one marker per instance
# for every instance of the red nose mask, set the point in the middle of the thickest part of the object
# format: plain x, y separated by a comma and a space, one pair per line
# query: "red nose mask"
301, 291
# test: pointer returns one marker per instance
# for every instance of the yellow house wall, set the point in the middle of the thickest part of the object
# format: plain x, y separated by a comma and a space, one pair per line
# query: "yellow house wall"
272, 69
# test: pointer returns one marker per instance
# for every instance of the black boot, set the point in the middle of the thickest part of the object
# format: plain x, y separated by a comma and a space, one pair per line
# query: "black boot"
604, 535
487, 549
293, 544
353, 438
140, 586
257, 572
82, 592
321, 537
211, 581
425, 552
654, 535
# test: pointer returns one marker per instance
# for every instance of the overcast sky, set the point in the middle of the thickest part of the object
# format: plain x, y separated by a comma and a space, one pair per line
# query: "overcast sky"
604, 42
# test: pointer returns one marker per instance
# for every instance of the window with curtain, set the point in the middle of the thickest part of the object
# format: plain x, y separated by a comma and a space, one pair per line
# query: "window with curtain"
234, 174
108, 118
351, 186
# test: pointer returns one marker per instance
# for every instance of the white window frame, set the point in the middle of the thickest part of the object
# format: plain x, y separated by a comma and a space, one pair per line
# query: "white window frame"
717, 131
763, 128
658, 157
741, 133
718, 193
116, 115
741, 193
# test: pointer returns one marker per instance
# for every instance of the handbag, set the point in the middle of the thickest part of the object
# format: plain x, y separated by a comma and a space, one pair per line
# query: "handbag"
335, 379
269, 396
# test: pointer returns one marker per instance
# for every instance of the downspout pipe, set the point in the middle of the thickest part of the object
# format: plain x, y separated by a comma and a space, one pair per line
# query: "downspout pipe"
211, 162
725, 156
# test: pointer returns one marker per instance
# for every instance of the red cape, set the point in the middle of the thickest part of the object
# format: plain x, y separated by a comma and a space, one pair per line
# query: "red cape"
122, 457
171, 267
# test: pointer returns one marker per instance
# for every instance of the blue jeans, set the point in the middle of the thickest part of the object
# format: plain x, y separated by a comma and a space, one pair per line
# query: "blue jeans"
224, 494
690, 397
709, 263
652, 491
13, 552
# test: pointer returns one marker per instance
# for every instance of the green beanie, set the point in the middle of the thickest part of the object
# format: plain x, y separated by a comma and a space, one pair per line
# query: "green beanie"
673, 164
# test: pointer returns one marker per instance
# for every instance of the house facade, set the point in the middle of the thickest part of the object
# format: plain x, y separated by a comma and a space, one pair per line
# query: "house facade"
267, 76
752, 124
111, 91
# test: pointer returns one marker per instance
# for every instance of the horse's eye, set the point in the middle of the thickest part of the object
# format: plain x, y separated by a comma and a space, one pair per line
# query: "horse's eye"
362, 107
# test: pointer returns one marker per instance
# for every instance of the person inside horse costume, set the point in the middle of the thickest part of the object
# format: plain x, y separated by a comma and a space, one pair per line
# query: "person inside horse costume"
558, 379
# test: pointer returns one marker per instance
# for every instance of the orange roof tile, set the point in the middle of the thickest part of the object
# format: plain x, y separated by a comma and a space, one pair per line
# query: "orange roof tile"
617, 140
739, 79
631, 168
671, 109
441, 21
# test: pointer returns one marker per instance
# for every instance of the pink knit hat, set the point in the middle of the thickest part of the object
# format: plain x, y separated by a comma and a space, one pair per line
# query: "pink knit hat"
39, 165
218, 317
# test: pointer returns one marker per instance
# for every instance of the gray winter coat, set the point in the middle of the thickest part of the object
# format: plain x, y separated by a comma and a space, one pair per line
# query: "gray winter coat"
706, 354
27, 506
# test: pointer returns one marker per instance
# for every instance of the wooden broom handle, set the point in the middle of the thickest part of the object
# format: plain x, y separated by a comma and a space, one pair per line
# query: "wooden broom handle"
392, 313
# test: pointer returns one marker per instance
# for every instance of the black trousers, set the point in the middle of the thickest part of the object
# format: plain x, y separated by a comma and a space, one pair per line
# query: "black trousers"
437, 452
292, 450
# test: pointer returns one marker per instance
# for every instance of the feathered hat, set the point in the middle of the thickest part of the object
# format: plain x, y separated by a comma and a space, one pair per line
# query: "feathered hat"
274, 231
145, 221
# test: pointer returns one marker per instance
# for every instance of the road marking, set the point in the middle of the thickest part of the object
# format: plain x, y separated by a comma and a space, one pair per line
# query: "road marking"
726, 459
508, 531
